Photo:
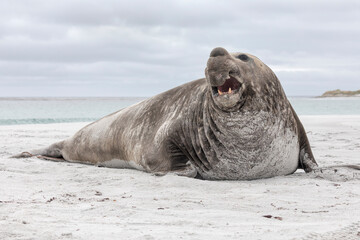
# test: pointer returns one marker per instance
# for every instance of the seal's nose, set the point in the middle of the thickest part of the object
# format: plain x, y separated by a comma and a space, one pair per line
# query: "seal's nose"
219, 51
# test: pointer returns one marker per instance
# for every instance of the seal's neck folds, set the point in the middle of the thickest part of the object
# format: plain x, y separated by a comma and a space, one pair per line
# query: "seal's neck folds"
245, 145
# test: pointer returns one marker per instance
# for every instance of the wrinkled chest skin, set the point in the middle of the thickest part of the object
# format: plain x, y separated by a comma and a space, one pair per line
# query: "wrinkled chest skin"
252, 146
241, 145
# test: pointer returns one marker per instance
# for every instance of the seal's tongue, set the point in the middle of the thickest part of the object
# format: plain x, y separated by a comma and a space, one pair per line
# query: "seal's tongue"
229, 86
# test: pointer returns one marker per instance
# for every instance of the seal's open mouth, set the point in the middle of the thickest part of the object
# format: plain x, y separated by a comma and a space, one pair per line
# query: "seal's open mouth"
230, 86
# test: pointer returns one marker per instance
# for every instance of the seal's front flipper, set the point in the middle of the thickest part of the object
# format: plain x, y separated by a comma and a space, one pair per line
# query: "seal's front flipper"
178, 162
306, 157
307, 160
186, 171
340, 173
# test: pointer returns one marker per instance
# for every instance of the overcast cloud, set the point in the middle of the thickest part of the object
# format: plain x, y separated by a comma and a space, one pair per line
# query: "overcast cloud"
140, 48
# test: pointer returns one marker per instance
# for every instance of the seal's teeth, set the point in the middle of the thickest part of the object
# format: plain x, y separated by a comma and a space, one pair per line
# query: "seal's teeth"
220, 92
229, 90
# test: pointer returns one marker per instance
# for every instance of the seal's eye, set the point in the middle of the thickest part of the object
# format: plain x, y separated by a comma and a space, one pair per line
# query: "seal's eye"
243, 57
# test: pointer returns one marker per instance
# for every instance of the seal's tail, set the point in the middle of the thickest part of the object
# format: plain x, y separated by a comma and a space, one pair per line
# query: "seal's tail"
52, 153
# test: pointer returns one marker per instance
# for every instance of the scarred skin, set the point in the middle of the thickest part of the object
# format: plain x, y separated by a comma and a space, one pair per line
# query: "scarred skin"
196, 131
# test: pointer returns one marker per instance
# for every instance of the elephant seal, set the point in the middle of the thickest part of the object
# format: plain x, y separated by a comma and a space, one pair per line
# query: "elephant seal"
235, 124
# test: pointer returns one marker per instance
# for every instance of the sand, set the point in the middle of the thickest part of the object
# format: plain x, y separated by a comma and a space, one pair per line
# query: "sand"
53, 200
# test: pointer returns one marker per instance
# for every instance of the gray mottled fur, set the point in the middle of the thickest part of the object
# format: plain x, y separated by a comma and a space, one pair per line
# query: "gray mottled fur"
252, 133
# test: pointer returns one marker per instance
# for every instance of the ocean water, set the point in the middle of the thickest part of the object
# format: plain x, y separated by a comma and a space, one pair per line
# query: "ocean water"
59, 110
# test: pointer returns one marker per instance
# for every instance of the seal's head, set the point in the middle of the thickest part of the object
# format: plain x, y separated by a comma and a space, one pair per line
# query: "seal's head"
233, 78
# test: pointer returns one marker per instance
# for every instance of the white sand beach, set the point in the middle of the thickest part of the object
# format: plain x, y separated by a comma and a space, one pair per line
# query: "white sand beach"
55, 200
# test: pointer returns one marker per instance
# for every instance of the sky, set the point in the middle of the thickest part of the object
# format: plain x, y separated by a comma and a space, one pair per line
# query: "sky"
114, 48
